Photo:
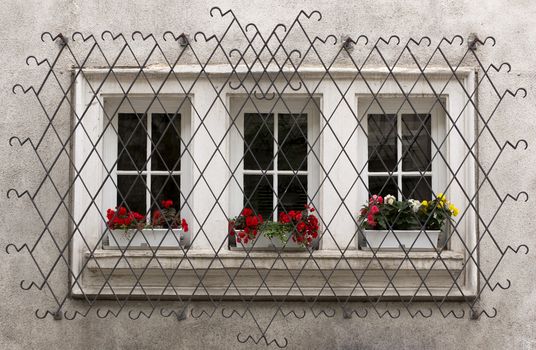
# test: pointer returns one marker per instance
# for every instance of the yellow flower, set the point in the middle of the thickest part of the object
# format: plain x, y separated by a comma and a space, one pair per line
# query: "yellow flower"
424, 204
441, 197
453, 209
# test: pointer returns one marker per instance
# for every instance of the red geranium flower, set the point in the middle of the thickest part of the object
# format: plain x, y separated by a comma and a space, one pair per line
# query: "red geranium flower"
122, 211
167, 203
284, 218
376, 199
252, 221
138, 217
245, 225
184, 225
370, 220
247, 212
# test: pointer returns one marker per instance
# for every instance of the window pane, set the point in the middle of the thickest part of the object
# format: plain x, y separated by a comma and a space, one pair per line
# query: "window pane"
258, 131
165, 187
292, 140
166, 136
258, 194
292, 192
131, 192
416, 142
417, 187
383, 185
382, 148
132, 140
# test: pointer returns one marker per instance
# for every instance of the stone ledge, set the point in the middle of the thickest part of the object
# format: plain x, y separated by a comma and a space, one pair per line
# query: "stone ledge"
233, 275
320, 259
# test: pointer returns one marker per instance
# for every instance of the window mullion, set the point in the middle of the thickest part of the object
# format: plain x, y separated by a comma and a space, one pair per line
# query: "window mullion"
275, 165
148, 167
399, 153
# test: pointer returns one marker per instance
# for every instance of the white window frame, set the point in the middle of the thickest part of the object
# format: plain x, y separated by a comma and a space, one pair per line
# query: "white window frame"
142, 105
453, 150
342, 228
417, 105
399, 106
94, 97
241, 105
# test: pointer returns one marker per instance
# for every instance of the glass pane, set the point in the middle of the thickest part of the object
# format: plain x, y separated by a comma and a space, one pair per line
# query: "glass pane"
131, 192
417, 187
132, 140
416, 142
258, 131
382, 148
258, 194
166, 136
292, 141
383, 185
292, 191
165, 187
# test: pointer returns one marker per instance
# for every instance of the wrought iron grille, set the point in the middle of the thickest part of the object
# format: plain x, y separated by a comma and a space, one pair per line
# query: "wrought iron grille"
143, 111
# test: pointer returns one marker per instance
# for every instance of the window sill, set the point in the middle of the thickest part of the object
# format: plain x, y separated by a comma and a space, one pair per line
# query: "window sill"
232, 276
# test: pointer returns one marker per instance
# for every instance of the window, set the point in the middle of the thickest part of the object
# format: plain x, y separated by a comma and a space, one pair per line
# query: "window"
145, 154
275, 162
406, 147
278, 155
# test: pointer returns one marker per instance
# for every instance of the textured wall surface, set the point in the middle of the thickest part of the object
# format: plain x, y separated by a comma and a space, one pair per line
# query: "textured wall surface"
512, 23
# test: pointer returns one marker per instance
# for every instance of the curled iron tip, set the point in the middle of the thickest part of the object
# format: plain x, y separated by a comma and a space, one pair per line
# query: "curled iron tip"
310, 14
452, 40
388, 41
262, 338
418, 43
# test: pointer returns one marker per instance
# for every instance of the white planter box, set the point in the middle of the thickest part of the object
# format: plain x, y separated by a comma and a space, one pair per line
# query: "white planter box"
143, 239
414, 239
264, 243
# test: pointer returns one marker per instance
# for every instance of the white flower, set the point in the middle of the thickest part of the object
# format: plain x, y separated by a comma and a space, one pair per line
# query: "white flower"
389, 199
414, 204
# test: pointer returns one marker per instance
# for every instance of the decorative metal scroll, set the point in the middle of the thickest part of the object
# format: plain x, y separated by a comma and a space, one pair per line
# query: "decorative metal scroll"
272, 66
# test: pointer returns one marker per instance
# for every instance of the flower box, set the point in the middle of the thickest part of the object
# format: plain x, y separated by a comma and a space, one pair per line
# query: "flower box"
388, 223
261, 242
146, 238
295, 230
414, 239
129, 229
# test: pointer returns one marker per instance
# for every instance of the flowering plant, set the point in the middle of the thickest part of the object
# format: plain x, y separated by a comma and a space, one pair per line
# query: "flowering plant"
165, 218
168, 217
388, 213
247, 223
124, 219
302, 226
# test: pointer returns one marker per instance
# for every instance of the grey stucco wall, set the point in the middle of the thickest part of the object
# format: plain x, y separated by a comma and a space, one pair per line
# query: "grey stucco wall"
512, 23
